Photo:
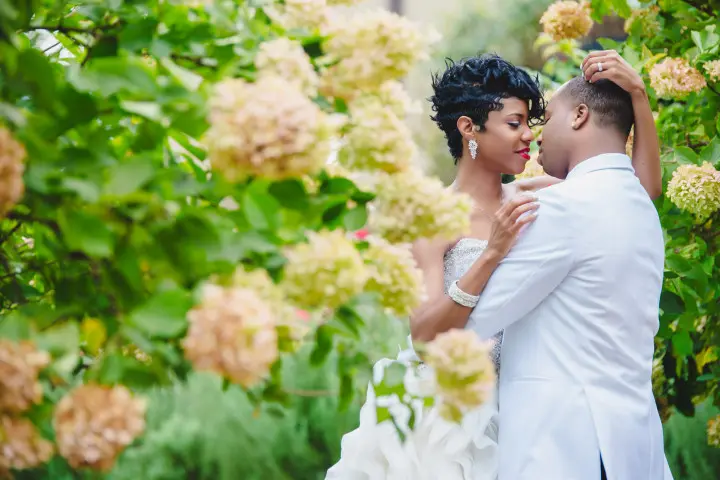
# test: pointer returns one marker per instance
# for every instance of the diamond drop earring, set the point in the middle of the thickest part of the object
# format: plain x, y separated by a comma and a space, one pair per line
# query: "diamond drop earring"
472, 145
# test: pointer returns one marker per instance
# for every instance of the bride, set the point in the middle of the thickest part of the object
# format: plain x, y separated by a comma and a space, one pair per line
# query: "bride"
485, 107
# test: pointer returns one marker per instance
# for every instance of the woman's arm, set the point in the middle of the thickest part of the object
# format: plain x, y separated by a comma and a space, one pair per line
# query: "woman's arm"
440, 313
646, 146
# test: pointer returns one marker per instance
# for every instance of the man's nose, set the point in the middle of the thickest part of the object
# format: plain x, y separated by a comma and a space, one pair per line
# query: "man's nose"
539, 140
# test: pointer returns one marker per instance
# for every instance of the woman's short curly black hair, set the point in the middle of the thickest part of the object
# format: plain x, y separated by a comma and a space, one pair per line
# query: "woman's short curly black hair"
474, 87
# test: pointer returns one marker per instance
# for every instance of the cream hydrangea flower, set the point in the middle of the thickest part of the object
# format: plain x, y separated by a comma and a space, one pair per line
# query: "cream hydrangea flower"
630, 142
410, 206
21, 446
333, 3
268, 128
464, 372
290, 328
12, 156
676, 78
713, 429
567, 20
394, 274
713, 70
658, 381
392, 95
312, 14
20, 364
696, 190
645, 20
532, 168
378, 140
370, 48
133, 351
232, 333
94, 424
286, 58
324, 272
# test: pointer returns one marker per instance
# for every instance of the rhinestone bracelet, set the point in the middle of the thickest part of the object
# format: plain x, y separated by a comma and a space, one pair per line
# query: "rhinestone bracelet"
462, 298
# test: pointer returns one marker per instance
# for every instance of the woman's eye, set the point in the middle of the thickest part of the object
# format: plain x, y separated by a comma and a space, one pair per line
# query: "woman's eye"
514, 124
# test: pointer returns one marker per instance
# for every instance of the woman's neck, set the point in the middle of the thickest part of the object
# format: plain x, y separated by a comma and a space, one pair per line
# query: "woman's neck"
484, 186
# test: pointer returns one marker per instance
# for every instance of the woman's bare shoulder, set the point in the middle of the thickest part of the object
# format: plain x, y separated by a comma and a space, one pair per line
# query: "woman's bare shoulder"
530, 184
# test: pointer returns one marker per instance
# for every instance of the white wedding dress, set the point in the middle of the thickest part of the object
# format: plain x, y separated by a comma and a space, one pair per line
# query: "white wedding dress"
436, 449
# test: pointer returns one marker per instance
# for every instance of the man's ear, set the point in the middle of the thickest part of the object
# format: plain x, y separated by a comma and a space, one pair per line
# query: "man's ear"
466, 127
581, 116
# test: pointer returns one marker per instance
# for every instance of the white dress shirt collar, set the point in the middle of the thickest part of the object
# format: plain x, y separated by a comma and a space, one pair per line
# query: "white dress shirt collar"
601, 162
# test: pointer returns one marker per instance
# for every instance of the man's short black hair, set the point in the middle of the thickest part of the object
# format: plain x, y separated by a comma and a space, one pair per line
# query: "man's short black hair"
473, 87
610, 105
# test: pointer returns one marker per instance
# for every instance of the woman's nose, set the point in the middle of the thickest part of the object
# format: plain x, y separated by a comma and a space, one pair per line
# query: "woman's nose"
528, 135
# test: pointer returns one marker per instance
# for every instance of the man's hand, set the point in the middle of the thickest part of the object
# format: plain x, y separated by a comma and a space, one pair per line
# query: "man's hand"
608, 64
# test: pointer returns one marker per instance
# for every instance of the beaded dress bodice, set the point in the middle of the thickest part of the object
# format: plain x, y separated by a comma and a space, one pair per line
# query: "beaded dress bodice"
457, 261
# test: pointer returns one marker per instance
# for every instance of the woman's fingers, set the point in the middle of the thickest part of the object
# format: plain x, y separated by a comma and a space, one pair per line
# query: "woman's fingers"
598, 54
527, 219
593, 65
522, 209
514, 203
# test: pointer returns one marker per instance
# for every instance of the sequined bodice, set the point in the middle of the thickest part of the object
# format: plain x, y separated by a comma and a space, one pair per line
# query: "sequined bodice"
457, 261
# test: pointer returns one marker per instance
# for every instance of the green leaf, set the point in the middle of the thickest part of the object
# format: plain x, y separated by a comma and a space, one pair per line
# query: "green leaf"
697, 39
150, 110
346, 392
323, 345
164, 315
599, 9
85, 232
671, 303
290, 193
85, 189
350, 320
261, 210
334, 207
37, 74
128, 177
677, 263
682, 344
711, 152
685, 155
59, 340
361, 197
355, 219
14, 327
110, 75
138, 34
338, 185
622, 8
187, 78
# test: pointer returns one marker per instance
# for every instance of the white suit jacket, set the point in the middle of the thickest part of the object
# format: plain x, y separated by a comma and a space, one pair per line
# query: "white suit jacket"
578, 300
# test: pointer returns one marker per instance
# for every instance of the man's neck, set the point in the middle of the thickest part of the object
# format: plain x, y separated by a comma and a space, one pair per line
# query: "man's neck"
602, 144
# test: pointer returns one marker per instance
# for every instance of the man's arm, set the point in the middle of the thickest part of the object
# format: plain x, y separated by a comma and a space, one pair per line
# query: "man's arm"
541, 259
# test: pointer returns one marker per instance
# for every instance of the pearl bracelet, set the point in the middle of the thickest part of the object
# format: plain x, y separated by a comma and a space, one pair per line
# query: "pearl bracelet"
462, 298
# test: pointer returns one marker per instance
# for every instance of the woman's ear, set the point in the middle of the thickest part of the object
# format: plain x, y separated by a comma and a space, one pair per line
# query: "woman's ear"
581, 115
466, 127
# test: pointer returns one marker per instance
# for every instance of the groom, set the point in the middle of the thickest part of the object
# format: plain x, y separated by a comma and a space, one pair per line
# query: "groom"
578, 299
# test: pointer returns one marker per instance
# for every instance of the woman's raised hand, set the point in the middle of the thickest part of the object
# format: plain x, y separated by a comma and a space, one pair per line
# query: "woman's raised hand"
608, 64
509, 220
